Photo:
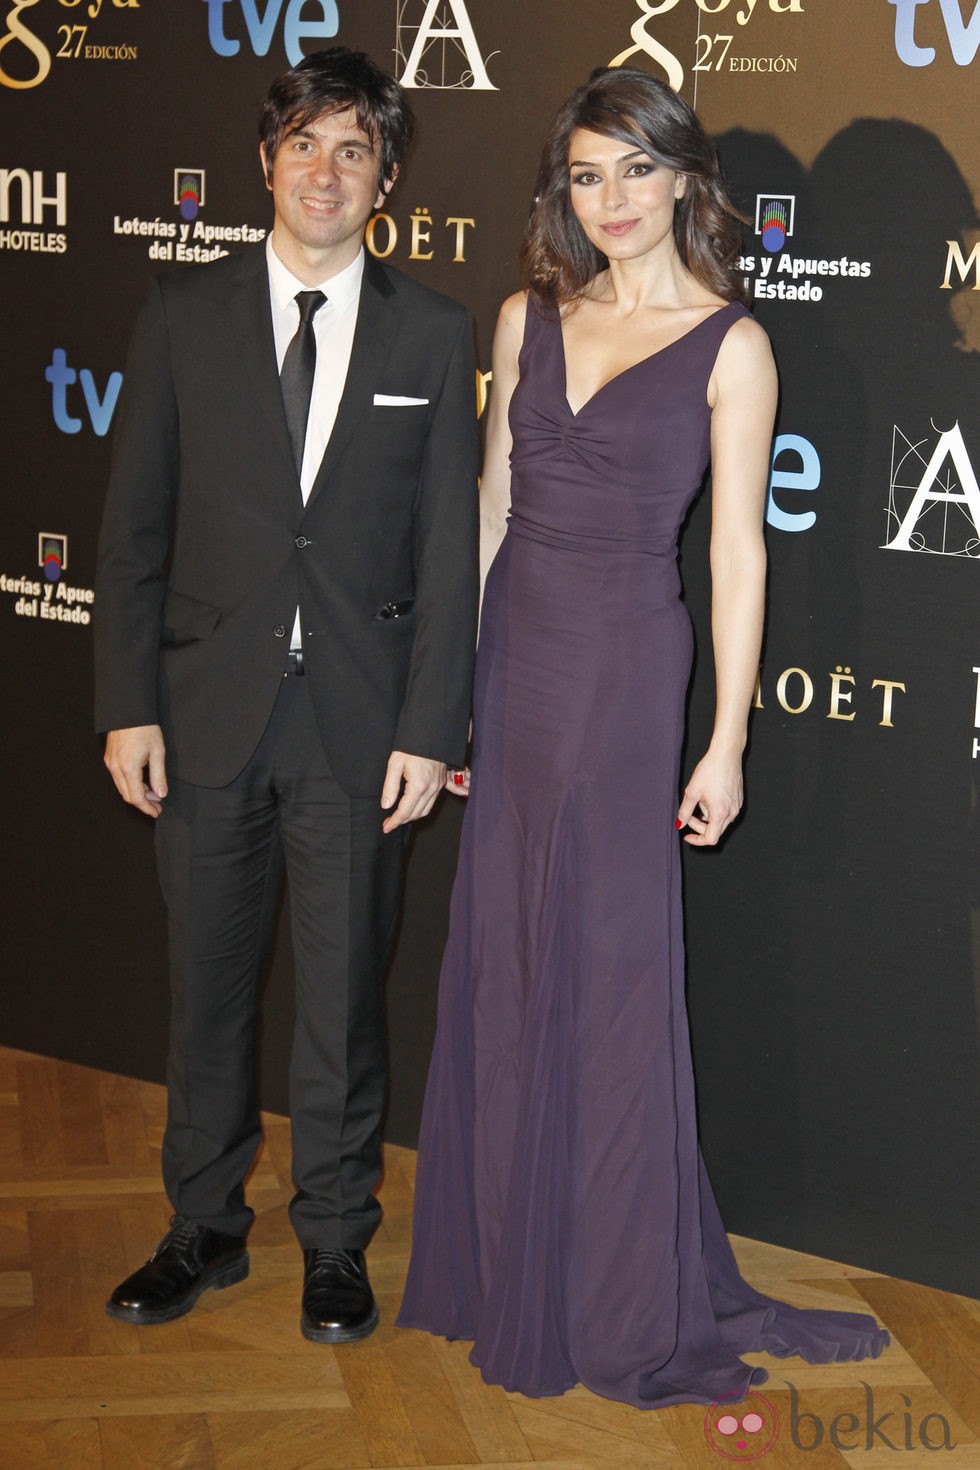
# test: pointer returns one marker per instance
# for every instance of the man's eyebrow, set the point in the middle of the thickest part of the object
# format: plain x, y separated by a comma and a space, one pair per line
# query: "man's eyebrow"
357, 140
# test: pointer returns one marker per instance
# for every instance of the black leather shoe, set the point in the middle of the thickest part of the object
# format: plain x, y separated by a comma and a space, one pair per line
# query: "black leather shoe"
338, 1303
189, 1259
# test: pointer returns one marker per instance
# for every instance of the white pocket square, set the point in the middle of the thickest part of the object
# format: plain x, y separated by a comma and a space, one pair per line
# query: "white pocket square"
396, 400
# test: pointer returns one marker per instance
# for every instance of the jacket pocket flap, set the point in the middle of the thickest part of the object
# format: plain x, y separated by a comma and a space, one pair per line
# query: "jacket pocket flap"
185, 618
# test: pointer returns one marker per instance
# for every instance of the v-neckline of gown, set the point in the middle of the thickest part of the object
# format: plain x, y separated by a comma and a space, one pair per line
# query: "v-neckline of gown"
624, 372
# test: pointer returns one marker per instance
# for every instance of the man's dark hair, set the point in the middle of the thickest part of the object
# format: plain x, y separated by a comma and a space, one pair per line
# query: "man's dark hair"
333, 81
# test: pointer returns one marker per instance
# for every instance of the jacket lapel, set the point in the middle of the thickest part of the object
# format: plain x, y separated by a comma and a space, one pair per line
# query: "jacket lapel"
374, 336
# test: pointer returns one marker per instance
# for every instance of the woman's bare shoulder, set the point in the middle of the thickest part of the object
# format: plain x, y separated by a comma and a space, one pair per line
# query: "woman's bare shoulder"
513, 312
746, 345
744, 368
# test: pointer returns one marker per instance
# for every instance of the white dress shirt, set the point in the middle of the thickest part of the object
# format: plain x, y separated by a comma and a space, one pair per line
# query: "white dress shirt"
333, 328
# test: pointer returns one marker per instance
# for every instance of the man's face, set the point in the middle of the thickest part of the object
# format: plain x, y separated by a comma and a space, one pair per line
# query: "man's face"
325, 188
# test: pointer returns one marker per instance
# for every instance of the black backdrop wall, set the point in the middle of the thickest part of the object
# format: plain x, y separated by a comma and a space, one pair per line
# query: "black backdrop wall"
833, 941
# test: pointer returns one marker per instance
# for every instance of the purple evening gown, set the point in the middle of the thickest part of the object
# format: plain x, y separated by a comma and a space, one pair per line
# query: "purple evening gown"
563, 1218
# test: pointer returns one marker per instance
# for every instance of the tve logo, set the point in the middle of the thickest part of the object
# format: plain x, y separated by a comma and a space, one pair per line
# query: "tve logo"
795, 466
261, 23
964, 36
100, 410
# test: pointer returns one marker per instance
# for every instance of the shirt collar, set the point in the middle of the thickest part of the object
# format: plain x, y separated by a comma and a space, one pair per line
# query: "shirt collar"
342, 290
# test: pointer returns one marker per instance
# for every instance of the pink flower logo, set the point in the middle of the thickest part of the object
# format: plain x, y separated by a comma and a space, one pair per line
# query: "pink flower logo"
744, 1431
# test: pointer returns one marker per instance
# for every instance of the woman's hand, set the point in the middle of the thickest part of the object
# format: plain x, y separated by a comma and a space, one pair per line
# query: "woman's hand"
458, 782
712, 799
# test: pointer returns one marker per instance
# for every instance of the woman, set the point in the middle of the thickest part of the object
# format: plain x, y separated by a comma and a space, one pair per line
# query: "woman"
563, 1218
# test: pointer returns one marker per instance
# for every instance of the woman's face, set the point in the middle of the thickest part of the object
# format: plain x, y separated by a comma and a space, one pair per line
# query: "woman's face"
623, 199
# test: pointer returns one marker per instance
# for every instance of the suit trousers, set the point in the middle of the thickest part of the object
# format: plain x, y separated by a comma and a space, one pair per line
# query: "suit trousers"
221, 853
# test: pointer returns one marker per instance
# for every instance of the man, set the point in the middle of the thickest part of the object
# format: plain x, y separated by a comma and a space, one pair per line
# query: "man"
287, 606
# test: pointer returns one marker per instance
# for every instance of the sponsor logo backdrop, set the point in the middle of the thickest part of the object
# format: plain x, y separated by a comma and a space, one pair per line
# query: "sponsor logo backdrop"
833, 942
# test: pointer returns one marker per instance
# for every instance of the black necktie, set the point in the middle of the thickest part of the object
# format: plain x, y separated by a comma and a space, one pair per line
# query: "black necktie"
296, 374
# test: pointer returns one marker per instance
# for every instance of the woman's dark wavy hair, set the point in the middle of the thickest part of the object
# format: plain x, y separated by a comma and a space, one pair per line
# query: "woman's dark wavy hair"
630, 105
332, 81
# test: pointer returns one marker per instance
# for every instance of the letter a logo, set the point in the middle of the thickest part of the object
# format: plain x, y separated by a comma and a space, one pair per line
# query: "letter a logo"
444, 53
943, 514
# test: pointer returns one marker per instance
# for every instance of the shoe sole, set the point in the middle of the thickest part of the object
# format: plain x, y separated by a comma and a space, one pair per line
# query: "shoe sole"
339, 1334
146, 1317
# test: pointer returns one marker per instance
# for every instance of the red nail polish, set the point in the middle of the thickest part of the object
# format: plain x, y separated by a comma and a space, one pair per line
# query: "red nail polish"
457, 778
678, 824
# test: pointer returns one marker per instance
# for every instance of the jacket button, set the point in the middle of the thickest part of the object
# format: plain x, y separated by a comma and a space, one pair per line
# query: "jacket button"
301, 541
279, 631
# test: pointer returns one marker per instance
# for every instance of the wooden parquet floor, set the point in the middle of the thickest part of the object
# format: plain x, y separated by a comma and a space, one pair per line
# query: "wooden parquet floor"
233, 1386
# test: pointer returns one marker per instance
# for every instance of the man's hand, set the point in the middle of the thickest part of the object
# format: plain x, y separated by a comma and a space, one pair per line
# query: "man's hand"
423, 779
128, 753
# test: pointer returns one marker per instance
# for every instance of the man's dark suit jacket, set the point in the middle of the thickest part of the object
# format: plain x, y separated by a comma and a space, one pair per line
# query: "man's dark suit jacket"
207, 548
